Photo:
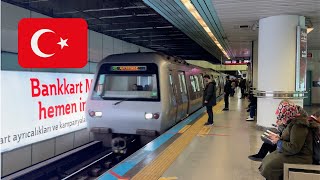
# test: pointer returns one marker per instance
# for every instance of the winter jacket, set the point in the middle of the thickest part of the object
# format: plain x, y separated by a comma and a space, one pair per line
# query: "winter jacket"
294, 146
209, 94
227, 87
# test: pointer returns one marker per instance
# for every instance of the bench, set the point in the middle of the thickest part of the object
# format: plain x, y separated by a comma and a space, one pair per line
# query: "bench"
301, 171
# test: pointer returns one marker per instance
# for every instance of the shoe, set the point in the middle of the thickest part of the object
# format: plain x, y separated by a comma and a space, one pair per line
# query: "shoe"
250, 119
255, 158
208, 124
225, 109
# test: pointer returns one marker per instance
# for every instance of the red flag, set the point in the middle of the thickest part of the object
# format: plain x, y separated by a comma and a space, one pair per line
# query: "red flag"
53, 43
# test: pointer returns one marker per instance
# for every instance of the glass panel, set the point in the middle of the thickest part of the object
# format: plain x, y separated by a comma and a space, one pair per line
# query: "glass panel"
193, 83
197, 83
184, 82
201, 81
117, 86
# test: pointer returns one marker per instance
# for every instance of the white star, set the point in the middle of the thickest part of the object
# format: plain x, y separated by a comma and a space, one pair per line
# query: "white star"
63, 42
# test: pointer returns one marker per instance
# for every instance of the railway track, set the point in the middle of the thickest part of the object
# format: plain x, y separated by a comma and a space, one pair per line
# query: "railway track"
85, 164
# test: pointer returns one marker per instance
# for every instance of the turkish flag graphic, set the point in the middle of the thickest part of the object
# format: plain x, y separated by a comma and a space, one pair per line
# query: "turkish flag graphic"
52, 43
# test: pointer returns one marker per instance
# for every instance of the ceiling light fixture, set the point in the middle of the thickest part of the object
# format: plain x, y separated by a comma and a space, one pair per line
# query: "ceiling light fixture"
196, 15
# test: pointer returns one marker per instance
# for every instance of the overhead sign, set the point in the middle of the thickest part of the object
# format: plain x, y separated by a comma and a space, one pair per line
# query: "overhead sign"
237, 62
38, 106
128, 68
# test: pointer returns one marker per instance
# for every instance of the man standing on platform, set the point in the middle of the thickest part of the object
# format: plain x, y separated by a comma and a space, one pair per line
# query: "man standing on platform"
209, 97
227, 90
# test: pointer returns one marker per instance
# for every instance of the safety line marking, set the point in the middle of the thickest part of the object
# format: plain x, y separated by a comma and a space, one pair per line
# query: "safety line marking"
221, 126
216, 135
184, 129
204, 131
168, 178
118, 176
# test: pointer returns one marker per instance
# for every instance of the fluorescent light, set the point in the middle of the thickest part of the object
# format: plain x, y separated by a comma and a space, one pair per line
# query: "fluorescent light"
197, 16
309, 30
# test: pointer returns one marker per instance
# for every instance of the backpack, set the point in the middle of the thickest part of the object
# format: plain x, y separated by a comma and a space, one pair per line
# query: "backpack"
316, 142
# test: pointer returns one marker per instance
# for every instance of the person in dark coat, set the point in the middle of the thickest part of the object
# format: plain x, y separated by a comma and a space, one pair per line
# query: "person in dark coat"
242, 86
293, 146
269, 147
209, 97
227, 91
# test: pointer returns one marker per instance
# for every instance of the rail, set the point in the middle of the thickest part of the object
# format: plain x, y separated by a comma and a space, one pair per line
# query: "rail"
85, 169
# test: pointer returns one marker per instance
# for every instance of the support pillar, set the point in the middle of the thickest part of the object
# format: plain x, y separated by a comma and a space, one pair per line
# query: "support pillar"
277, 62
255, 64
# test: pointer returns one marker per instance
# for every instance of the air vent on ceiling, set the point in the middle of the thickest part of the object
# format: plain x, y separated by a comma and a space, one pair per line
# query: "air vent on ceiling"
242, 27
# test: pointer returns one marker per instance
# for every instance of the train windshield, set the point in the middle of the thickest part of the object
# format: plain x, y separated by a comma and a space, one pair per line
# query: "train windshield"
127, 82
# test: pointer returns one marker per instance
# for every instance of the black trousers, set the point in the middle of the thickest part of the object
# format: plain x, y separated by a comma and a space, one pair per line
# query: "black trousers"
226, 101
210, 114
265, 148
242, 92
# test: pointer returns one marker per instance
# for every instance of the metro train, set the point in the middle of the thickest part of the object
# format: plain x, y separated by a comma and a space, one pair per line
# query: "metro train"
143, 95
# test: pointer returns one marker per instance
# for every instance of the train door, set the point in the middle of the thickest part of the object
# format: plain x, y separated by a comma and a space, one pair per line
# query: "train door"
183, 110
173, 99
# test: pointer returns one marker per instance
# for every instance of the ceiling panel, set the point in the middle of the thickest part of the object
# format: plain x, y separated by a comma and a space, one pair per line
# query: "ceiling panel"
129, 20
235, 13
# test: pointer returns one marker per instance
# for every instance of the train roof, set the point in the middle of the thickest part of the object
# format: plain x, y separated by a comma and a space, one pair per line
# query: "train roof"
173, 59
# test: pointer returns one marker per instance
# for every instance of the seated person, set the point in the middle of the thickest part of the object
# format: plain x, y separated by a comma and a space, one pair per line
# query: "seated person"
267, 147
252, 107
134, 87
314, 121
293, 146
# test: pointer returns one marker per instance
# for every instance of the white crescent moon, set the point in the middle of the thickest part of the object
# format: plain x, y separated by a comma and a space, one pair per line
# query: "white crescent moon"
34, 43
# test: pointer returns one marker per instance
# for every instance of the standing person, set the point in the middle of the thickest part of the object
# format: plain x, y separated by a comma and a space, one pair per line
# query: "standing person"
233, 87
227, 90
209, 97
242, 87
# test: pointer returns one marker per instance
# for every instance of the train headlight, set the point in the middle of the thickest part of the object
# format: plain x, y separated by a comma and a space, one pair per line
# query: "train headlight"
152, 115
148, 115
156, 116
95, 113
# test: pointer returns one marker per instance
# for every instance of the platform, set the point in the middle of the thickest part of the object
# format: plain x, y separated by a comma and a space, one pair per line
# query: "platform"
192, 151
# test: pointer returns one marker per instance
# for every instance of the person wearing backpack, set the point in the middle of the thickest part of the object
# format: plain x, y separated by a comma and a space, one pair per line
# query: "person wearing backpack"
294, 146
314, 121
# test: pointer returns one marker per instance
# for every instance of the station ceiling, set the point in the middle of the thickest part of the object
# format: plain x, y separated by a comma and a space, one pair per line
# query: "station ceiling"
240, 18
167, 25
129, 20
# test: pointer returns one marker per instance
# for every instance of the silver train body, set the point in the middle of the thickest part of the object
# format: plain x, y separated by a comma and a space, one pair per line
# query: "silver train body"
144, 94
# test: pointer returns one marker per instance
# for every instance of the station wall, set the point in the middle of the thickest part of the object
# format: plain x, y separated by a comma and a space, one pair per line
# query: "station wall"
99, 47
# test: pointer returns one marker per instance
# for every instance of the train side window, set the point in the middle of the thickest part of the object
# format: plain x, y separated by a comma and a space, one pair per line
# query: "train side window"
201, 81
180, 83
197, 83
170, 79
193, 83
182, 80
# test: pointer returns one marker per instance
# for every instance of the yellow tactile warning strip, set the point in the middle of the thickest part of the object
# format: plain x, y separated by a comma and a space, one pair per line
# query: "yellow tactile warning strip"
160, 164
184, 129
168, 178
204, 131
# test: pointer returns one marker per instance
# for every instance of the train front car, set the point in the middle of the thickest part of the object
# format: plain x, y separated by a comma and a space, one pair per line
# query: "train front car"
124, 104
